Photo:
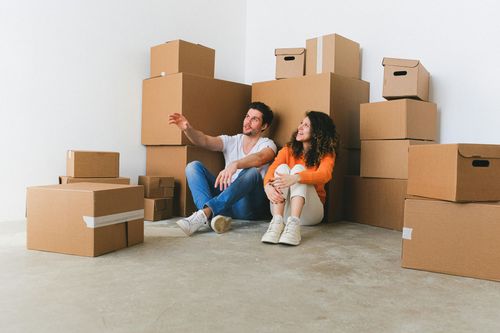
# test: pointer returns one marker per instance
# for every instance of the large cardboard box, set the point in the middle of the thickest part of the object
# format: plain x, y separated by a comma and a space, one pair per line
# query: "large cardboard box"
157, 186
455, 172
386, 158
405, 78
375, 201
332, 94
398, 119
211, 106
156, 209
86, 219
71, 180
180, 56
452, 238
92, 164
333, 53
172, 160
290, 62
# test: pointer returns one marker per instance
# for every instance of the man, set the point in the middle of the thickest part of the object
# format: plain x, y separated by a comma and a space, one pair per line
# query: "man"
237, 191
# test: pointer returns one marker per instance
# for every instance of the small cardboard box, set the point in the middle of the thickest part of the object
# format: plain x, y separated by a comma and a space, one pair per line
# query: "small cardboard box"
375, 201
92, 164
398, 119
386, 158
211, 106
71, 180
86, 219
156, 209
290, 62
157, 186
333, 54
172, 160
452, 238
180, 56
455, 172
405, 79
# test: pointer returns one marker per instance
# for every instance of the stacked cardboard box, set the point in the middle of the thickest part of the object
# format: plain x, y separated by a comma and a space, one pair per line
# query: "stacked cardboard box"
182, 81
331, 85
158, 197
387, 130
451, 225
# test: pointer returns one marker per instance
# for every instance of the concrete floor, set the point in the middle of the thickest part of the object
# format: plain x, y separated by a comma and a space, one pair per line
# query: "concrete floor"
344, 277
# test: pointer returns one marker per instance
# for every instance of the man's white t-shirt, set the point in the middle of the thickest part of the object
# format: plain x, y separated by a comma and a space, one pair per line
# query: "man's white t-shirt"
233, 150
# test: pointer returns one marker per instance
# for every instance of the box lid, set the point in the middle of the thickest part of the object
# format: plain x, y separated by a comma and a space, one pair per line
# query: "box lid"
400, 62
479, 150
289, 51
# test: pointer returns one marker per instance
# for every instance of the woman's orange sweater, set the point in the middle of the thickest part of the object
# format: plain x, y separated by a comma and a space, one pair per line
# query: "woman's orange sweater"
317, 176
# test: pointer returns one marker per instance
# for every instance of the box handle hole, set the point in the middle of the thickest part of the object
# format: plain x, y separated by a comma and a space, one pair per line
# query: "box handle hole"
400, 73
480, 163
289, 58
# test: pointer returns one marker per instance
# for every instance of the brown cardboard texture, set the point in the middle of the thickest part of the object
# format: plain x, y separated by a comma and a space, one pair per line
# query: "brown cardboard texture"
455, 172
335, 95
452, 238
386, 158
398, 119
86, 219
71, 180
290, 62
333, 54
375, 201
92, 164
180, 56
172, 160
405, 78
157, 186
211, 106
156, 209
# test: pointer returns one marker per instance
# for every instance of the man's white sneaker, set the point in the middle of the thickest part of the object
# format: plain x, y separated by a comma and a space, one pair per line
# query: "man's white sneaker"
220, 223
274, 231
192, 223
291, 234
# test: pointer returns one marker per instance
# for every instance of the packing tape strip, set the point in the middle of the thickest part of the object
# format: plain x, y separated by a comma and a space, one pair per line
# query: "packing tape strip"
407, 233
319, 55
102, 221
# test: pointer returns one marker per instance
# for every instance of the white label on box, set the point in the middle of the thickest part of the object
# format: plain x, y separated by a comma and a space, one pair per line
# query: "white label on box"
70, 154
102, 221
319, 55
407, 233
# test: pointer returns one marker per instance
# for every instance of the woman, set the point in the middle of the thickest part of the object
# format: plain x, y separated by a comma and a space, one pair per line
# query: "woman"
295, 181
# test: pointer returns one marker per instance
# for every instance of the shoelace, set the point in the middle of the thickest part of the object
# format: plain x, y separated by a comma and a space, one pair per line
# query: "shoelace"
288, 227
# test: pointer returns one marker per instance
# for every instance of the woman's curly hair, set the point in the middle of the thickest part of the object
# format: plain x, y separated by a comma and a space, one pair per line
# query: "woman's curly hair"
323, 139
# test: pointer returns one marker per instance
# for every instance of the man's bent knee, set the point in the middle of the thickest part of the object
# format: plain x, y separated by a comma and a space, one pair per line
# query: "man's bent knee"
193, 167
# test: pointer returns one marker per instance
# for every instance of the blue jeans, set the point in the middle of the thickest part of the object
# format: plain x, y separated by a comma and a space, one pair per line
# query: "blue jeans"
244, 199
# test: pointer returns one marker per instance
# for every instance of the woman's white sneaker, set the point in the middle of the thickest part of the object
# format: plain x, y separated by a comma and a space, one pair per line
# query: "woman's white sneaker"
220, 223
291, 234
274, 230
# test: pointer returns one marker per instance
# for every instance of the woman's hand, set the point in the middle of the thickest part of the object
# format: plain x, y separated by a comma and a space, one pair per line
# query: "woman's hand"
274, 196
282, 181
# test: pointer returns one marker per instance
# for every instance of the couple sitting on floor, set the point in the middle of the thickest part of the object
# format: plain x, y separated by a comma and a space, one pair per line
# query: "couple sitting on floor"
294, 183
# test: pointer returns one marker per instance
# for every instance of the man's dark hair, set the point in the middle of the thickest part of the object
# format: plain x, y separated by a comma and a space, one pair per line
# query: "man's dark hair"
267, 113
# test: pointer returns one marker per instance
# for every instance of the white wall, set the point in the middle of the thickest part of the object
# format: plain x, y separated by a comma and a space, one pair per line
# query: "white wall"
71, 75
457, 41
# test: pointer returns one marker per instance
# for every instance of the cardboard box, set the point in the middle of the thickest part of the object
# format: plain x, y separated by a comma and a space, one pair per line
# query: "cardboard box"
156, 209
71, 180
172, 160
452, 238
405, 79
290, 62
455, 172
333, 54
157, 186
375, 201
86, 219
211, 106
332, 94
386, 158
180, 56
92, 164
398, 119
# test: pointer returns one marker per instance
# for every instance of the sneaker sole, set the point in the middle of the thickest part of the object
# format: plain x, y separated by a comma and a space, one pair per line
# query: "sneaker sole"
269, 241
221, 224
288, 241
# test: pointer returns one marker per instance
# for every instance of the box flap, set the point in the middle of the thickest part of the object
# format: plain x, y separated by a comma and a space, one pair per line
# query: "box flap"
400, 62
479, 150
289, 51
